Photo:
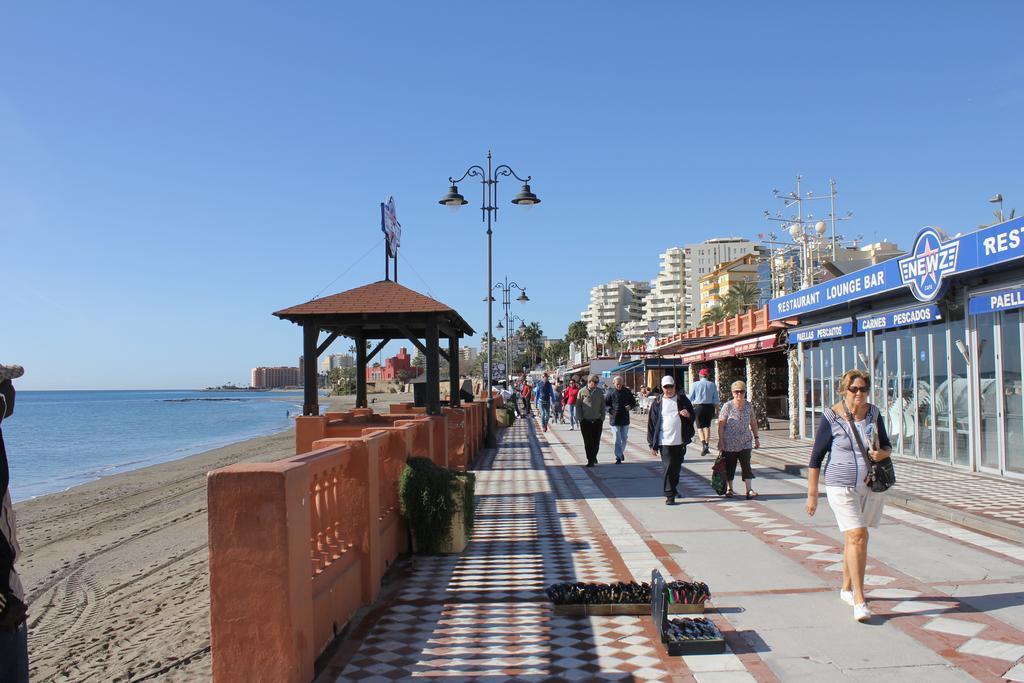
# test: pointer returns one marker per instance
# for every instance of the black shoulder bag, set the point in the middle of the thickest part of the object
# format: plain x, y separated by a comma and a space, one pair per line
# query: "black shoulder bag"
881, 474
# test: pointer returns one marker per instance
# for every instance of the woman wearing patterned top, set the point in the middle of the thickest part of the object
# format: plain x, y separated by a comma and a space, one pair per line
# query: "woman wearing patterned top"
737, 434
855, 505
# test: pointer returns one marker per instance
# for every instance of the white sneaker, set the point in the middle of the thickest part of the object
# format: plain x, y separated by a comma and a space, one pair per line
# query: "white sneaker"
846, 596
861, 612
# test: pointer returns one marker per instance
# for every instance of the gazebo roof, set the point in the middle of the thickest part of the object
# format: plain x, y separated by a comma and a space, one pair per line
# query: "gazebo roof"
382, 304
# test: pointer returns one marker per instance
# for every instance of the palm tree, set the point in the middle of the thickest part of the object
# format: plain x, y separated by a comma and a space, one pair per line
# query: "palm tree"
531, 335
612, 336
577, 333
713, 315
740, 297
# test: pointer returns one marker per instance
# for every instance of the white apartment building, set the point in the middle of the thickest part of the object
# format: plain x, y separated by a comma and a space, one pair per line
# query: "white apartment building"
337, 360
664, 305
617, 302
701, 259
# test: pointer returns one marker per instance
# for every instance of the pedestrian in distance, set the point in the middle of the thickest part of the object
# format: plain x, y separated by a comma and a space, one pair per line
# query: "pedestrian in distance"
556, 403
590, 400
13, 611
526, 393
705, 400
570, 402
619, 401
850, 434
545, 397
669, 429
737, 435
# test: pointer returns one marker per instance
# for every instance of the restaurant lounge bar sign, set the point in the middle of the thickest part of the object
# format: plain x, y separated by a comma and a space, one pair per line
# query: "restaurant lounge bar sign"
925, 270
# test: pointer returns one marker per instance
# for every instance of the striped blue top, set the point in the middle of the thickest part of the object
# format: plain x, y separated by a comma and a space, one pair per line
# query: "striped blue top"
845, 466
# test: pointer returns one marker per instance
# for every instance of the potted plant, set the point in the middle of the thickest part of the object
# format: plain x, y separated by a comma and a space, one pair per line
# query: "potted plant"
438, 505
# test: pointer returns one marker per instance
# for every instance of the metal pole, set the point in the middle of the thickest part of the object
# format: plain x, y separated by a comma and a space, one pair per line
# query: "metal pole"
832, 185
491, 437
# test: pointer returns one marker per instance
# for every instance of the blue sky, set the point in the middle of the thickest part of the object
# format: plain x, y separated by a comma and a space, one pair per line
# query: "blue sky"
171, 173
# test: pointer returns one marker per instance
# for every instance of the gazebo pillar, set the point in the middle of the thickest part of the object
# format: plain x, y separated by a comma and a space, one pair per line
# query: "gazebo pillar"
453, 372
433, 370
361, 372
310, 402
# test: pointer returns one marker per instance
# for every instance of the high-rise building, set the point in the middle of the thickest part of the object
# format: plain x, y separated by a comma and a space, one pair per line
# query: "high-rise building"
337, 360
664, 306
700, 260
615, 303
275, 378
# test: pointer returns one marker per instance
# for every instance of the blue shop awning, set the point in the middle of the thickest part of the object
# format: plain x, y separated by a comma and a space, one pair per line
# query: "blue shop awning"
622, 368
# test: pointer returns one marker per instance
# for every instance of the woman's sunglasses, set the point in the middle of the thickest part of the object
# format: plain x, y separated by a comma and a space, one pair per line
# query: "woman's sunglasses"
858, 390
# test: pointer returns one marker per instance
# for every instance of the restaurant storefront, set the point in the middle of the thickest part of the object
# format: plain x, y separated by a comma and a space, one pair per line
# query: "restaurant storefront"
941, 332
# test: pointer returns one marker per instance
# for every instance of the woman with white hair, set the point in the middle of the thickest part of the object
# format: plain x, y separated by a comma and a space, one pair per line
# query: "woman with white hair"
737, 434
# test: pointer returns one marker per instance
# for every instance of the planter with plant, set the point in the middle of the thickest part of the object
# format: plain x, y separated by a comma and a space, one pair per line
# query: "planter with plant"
437, 504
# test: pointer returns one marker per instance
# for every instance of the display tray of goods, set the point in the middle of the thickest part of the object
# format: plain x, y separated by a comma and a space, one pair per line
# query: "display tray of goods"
622, 598
682, 636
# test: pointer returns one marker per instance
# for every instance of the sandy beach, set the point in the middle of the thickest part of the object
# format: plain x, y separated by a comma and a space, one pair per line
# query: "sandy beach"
116, 570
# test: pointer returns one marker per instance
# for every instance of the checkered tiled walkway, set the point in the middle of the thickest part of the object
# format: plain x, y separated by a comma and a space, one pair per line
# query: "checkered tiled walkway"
483, 615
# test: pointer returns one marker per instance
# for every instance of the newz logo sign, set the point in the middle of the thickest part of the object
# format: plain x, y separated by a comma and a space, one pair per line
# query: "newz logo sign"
930, 260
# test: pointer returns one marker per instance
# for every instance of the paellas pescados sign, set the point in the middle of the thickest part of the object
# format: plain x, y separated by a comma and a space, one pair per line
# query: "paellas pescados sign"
836, 328
1003, 300
925, 270
901, 318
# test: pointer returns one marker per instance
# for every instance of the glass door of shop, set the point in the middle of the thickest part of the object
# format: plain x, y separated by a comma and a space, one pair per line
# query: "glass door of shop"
996, 350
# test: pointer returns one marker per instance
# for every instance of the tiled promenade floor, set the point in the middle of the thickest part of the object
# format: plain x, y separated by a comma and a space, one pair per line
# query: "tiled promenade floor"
949, 602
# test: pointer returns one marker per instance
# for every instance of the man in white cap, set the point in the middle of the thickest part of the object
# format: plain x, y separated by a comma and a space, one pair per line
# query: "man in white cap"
669, 429
13, 630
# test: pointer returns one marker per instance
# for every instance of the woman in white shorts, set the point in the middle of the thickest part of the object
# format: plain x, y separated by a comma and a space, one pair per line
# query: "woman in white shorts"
854, 504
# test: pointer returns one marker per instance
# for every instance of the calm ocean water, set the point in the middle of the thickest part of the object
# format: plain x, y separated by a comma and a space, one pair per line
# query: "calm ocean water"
57, 439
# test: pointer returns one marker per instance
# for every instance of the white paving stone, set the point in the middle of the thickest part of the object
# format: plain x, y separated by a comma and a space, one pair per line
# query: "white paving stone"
1015, 674
957, 627
1009, 652
877, 580
810, 547
892, 594
796, 539
918, 606
724, 677
782, 532
726, 662
827, 557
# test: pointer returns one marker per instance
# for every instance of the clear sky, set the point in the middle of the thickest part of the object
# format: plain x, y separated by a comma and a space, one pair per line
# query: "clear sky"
173, 172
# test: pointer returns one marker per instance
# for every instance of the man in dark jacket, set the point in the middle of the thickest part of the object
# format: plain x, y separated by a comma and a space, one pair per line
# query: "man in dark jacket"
618, 401
669, 429
545, 396
13, 630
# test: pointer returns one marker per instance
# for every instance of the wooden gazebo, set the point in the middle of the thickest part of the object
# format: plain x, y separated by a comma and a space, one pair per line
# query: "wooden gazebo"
383, 311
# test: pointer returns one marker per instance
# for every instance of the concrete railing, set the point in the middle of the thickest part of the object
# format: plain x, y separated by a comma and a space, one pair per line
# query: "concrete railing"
298, 545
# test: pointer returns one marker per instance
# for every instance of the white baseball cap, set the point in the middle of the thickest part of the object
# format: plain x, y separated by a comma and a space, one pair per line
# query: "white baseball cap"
667, 381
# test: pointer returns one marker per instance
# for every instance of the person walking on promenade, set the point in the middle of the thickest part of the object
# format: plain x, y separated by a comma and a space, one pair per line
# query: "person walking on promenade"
570, 402
590, 400
737, 434
556, 403
618, 401
13, 628
526, 393
545, 397
846, 431
669, 429
704, 397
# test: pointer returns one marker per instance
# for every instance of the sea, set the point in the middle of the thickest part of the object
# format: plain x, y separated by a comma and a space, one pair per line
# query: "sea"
59, 439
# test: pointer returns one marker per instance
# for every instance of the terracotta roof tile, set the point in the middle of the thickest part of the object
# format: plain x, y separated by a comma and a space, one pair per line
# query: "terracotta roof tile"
380, 297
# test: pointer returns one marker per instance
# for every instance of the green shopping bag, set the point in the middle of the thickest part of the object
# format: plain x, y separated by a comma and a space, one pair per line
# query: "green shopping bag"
718, 475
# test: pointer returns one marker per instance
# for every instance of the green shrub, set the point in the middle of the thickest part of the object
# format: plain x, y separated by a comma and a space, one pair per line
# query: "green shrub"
427, 497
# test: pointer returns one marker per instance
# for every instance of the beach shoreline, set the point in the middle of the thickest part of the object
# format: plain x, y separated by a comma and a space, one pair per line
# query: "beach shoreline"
115, 569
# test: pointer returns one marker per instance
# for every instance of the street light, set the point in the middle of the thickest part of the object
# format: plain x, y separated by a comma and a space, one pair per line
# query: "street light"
506, 288
489, 212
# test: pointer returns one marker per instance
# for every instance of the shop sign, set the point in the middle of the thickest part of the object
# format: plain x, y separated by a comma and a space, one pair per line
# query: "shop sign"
838, 328
924, 271
916, 315
1002, 300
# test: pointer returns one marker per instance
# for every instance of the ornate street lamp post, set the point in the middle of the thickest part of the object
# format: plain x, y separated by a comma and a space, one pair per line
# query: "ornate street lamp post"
506, 288
489, 212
